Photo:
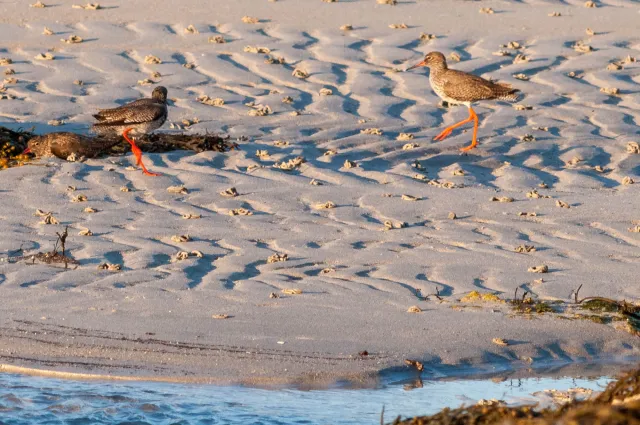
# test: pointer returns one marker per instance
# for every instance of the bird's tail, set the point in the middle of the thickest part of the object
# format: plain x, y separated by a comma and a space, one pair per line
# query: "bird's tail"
506, 92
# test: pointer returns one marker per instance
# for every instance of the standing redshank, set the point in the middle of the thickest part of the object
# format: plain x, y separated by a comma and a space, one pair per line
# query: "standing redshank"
457, 87
139, 117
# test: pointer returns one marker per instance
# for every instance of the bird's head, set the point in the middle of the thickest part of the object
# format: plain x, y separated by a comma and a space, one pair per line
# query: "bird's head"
431, 60
37, 146
160, 94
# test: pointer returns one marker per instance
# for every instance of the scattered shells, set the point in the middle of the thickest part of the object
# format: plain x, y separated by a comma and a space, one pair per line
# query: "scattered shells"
250, 20
38, 5
292, 291
409, 198
402, 26
85, 232
527, 214
409, 146
520, 58
591, 4
525, 248
79, 198
325, 206
372, 131
287, 99
501, 199
414, 309
152, 60
240, 211
73, 39
191, 30
315, 182
218, 39
591, 32
520, 107
454, 57
538, 269
260, 111
206, 100
55, 123
40, 213
535, 195
427, 37
189, 65
291, 164
274, 295
522, 77
346, 27
458, 172
555, 14
182, 190
581, 47
634, 229
452, 216
180, 238
90, 210
419, 366
5, 62
628, 180
325, 92
49, 219
501, 53
44, 57
562, 204
277, 257
275, 60
88, 6
230, 192
349, 164
402, 137
528, 138
611, 91
191, 216
182, 255
500, 341
390, 225
110, 267
614, 67
389, 2
298, 73
633, 147
257, 49
146, 82
487, 10
78, 82
196, 254
220, 316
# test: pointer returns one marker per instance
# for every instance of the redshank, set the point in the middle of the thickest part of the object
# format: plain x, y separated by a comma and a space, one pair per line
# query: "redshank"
138, 117
457, 87
65, 144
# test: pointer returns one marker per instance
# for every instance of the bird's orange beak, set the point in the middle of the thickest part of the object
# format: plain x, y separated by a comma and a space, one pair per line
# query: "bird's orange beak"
418, 65
26, 151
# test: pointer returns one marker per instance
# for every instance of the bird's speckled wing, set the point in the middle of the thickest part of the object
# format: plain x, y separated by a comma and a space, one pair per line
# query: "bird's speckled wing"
470, 88
133, 113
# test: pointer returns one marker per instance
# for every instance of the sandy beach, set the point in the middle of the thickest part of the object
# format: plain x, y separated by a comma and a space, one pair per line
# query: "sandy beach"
341, 217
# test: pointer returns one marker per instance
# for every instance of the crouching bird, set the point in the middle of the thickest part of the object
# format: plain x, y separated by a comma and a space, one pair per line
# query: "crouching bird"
457, 87
141, 116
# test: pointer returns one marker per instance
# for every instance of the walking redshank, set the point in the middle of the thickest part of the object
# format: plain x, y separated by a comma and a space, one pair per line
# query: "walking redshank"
65, 144
138, 117
457, 87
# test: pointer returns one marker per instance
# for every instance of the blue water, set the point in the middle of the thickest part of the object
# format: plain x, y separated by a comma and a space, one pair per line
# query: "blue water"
32, 400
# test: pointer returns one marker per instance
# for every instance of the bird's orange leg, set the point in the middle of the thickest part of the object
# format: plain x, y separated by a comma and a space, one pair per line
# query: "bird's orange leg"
447, 131
474, 141
138, 153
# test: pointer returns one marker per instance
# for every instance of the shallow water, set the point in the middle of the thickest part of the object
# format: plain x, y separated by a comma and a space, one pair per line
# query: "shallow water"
33, 400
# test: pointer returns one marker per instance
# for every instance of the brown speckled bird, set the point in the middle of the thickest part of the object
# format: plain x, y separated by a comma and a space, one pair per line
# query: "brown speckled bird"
139, 117
63, 145
457, 87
